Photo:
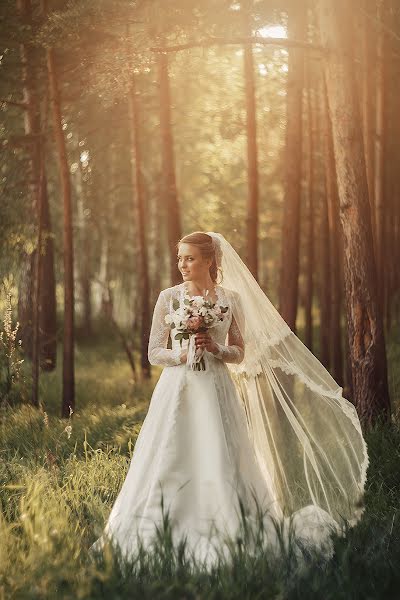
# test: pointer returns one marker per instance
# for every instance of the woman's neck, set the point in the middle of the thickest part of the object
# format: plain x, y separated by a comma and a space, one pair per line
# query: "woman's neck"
196, 288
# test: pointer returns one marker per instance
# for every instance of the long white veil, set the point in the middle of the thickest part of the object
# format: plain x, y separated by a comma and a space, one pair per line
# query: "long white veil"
307, 437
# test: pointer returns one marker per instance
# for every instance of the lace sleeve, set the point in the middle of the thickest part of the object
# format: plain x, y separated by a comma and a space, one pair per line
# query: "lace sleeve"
234, 351
158, 352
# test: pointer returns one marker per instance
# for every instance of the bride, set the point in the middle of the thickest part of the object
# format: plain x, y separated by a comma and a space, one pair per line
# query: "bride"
262, 425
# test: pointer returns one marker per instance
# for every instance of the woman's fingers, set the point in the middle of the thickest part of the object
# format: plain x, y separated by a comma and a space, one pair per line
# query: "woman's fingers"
202, 335
202, 339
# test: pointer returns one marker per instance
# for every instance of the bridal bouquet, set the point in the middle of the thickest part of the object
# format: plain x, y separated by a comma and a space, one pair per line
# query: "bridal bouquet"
197, 314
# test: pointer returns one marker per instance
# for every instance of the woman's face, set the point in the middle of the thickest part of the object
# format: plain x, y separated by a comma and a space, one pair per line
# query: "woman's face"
191, 263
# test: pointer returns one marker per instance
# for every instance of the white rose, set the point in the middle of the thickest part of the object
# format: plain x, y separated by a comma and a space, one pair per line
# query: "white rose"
177, 319
198, 301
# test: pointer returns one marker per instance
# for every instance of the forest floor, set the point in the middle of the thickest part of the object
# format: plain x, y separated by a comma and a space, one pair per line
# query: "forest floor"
58, 481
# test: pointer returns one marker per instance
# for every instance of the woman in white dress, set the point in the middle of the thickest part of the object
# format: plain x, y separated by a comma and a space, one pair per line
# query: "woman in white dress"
264, 423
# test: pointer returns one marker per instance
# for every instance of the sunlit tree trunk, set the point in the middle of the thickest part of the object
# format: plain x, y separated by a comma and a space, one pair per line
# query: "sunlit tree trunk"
310, 233
68, 387
335, 287
138, 186
289, 273
380, 150
107, 272
364, 320
252, 171
324, 282
168, 165
157, 244
325, 261
85, 250
368, 62
389, 108
48, 304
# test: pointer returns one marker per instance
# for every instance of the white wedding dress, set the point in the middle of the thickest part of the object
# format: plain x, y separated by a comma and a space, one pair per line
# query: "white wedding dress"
194, 448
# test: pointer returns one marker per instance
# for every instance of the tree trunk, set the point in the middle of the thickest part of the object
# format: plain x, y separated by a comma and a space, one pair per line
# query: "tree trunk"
85, 249
68, 393
25, 293
309, 291
380, 151
47, 324
392, 212
252, 171
388, 246
367, 91
48, 303
396, 258
168, 162
325, 264
364, 320
106, 303
325, 259
335, 335
157, 244
289, 273
138, 186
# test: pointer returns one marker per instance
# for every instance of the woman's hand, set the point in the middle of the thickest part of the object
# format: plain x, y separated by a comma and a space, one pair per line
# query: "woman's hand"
183, 356
204, 340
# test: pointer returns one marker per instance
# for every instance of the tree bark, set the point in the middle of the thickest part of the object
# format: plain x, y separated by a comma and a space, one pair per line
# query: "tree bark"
138, 187
325, 260
324, 284
289, 272
367, 91
48, 303
335, 335
309, 291
168, 165
68, 391
37, 289
364, 320
252, 171
380, 150
47, 324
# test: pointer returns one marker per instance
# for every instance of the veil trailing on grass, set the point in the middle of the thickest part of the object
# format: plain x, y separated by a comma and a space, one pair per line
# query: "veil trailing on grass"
307, 438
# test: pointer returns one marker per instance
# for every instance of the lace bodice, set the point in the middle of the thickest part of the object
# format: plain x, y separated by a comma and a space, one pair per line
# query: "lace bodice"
159, 354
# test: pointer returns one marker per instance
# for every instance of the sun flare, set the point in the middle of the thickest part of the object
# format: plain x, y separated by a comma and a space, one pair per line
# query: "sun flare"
274, 31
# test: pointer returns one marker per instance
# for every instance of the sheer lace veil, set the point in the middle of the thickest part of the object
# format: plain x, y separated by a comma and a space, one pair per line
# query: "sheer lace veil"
307, 438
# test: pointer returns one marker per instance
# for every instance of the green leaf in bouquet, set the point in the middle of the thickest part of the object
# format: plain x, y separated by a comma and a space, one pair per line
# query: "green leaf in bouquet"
173, 325
186, 301
175, 304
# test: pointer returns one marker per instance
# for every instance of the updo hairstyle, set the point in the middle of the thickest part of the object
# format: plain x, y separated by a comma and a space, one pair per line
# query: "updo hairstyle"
205, 243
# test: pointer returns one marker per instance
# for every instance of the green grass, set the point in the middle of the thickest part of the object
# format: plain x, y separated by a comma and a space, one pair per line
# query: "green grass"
56, 492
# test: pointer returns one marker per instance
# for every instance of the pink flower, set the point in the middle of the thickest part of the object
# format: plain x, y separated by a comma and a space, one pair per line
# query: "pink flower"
194, 323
